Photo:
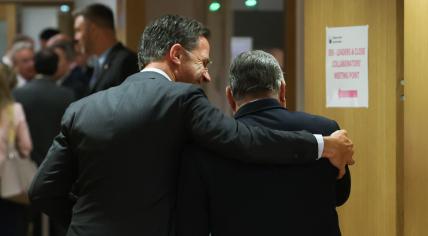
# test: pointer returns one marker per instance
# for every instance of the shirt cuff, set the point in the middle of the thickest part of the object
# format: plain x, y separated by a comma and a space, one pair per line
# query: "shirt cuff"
320, 141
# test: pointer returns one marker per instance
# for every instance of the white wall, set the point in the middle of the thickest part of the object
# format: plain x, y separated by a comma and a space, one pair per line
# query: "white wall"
34, 19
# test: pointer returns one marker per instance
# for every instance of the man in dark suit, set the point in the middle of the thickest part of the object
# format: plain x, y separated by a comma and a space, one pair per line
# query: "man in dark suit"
118, 151
44, 104
95, 34
71, 75
226, 197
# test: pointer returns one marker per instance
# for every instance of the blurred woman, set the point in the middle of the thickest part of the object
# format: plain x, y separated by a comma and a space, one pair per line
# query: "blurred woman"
13, 216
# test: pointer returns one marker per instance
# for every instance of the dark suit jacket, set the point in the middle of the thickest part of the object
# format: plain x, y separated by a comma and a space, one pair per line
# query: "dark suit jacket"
119, 152
119, 64
44, 104
75, 81
229, 198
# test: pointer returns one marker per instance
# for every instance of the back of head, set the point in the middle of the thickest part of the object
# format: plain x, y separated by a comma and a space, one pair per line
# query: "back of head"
48, 33
253, 72
67, 47
161, 34
59, 38
99, 14
46, 62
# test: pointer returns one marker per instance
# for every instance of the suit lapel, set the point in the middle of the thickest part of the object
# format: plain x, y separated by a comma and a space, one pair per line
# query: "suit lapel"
106, 65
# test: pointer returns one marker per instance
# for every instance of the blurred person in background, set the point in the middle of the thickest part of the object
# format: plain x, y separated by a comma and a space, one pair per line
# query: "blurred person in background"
45, 35
22, 56
13, 216
96, 36
69, 74
81, 62
6, 59
44, 104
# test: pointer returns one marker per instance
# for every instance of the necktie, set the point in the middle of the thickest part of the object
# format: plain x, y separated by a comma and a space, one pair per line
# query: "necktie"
95, 74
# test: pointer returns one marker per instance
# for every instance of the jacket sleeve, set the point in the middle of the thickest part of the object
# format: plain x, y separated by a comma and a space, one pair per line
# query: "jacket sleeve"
211, 129
49, 191
343, 188
192, 197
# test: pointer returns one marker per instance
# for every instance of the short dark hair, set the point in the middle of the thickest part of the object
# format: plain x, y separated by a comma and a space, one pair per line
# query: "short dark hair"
48, 33
161, 34
67, 47
46, 62
253, 72
98, 14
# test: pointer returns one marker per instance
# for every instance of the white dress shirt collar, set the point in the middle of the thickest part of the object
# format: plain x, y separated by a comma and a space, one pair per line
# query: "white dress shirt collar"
156, 70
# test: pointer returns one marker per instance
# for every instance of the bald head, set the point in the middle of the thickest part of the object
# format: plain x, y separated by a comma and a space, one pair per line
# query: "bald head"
59, 38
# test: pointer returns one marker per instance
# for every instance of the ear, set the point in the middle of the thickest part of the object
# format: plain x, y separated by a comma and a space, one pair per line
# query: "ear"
282, 93
230, 99
175, 54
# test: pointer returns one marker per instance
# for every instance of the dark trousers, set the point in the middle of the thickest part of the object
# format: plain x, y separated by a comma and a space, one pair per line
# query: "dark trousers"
54, 228
14, 219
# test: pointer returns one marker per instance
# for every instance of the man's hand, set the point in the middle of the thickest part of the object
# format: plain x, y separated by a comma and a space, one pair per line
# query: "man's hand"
338, 149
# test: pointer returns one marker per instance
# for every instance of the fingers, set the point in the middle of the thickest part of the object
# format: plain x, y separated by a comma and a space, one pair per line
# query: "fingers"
339, 149
350, 147
340, 133
342, 172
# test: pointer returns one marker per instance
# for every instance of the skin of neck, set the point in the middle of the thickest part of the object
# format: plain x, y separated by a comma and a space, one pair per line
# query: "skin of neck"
255, 97
235, 104
164, 66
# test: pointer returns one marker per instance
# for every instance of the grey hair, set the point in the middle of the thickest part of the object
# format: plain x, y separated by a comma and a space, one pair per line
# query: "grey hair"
254, 71
17, 47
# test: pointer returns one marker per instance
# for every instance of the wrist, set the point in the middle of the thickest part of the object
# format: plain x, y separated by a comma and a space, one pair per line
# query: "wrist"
328, 147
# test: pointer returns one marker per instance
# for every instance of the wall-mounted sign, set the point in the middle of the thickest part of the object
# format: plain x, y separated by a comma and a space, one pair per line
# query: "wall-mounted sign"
346, 66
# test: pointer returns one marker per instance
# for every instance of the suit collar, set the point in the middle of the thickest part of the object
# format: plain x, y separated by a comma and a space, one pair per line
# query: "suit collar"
108, 55
107, 60
147, 75
43, 79
156, 70
257, 106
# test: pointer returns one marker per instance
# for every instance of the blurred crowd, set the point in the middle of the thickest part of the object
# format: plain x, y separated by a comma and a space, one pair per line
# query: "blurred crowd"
37, 86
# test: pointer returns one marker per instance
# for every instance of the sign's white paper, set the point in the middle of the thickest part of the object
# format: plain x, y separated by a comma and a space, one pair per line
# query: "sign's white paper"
347, 66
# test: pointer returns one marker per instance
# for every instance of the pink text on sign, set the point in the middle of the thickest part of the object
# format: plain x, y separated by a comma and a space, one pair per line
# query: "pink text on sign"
348, 93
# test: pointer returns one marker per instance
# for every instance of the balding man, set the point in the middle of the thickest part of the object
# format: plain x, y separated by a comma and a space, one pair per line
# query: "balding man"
227, 198
22, 56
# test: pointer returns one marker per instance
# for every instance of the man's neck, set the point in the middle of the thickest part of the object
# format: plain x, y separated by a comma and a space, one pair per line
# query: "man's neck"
253, 98
161, 66
103, 45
